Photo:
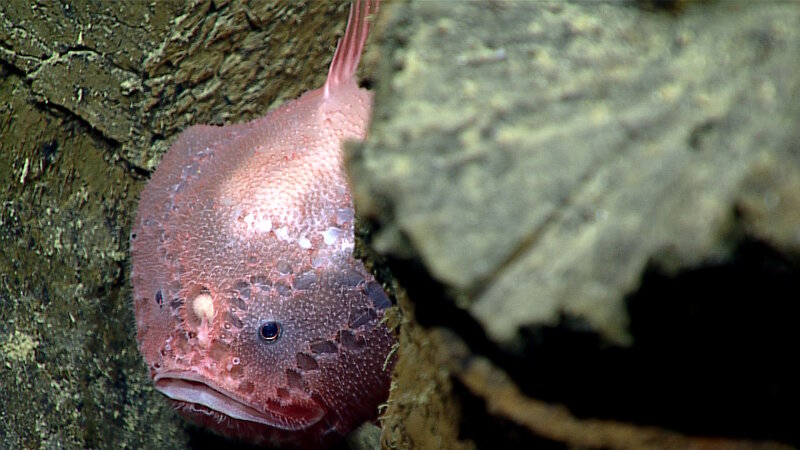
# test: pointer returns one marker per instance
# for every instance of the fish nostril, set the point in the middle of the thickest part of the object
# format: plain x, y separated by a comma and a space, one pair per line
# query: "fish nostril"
235, 369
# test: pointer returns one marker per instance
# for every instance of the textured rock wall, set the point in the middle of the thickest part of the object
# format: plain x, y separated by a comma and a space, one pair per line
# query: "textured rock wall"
593, 208
91, 96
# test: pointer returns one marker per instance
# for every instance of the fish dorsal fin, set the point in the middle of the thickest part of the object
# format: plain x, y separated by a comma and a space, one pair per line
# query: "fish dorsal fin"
348, 50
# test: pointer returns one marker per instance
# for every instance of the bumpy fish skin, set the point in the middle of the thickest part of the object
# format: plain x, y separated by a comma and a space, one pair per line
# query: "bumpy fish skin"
252, 314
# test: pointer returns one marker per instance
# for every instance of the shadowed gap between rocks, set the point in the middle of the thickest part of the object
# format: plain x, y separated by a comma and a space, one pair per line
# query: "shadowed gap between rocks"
711, 353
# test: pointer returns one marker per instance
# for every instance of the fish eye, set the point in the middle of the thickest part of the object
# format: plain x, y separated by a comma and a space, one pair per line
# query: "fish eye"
270, 331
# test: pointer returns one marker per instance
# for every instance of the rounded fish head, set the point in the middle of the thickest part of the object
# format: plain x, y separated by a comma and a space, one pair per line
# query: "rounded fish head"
292, 356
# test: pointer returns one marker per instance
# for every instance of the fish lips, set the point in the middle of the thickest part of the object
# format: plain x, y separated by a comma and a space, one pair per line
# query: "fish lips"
190, 387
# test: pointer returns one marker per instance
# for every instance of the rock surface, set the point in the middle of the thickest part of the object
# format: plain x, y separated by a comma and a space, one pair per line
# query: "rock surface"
91, 96
597, 204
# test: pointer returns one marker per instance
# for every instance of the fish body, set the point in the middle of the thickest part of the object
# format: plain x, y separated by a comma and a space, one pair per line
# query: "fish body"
252, 314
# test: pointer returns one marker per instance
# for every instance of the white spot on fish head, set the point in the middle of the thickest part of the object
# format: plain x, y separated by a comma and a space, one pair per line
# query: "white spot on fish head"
331, 235
249, 219
203, 307
263, 225
282, 233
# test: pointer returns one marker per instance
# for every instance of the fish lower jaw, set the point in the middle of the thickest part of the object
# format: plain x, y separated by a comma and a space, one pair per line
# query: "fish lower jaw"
200, 399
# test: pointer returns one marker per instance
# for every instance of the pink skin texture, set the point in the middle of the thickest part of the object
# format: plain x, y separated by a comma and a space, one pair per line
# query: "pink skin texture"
252, 314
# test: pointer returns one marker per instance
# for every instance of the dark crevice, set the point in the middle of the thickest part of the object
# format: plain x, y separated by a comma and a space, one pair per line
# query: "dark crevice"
713, 351
488, 431
434, 309
9, 68
49, 107
19, 55
670, 6
137, 171
85, 127
67, 49
714, 347
202, 439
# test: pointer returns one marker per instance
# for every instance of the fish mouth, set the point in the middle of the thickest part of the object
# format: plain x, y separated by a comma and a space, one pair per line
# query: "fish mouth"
196, 389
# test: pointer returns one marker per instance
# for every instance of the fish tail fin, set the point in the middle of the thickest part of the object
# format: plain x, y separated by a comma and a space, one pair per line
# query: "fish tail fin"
348, 50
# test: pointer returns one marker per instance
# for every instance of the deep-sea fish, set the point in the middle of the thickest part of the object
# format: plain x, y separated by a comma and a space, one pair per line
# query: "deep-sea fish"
251, 312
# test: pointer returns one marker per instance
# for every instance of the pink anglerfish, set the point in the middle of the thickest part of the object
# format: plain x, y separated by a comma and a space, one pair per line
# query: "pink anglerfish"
252, 313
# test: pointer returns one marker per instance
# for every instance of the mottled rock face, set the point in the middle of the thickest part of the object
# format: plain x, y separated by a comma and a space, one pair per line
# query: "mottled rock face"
251, 312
